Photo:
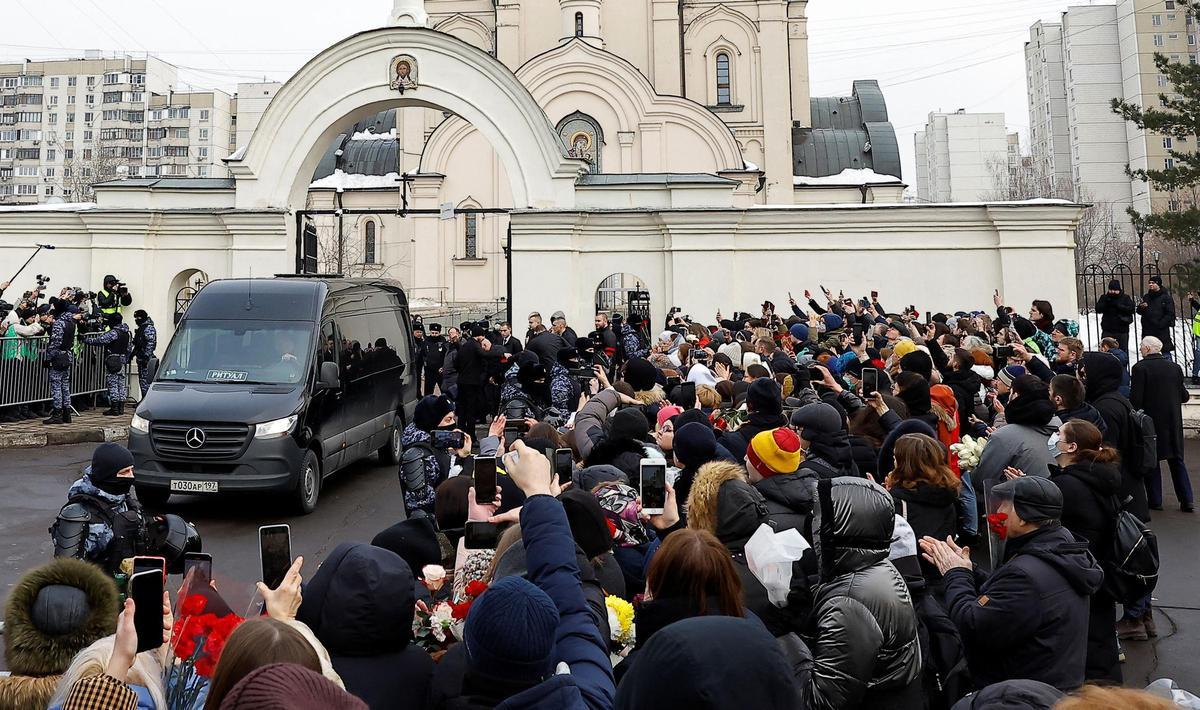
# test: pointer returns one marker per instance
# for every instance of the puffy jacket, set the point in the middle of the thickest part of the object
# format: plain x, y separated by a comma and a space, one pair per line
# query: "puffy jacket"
359, 604
863, 635
1029, 618
930, 510
789, 499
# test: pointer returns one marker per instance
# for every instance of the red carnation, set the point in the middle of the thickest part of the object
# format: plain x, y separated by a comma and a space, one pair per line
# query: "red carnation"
459, 611
194, 604
476, 587
996, 523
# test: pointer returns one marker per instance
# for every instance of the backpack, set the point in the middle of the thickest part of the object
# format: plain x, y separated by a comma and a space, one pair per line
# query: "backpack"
1133, 572
944, 675
1144, 438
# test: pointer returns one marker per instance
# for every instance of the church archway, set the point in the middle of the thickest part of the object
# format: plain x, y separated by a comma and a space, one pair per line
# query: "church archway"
355, 78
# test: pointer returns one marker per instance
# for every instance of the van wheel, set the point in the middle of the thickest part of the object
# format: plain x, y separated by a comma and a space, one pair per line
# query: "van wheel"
308, 488
153, 497
389, 454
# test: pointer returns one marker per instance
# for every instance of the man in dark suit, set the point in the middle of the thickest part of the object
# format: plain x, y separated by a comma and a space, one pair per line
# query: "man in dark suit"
474, 356
435, 357
1157, 388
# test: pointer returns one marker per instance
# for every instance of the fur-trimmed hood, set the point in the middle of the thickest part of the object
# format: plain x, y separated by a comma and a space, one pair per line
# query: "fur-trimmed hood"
31, 651
723, 502
653, 395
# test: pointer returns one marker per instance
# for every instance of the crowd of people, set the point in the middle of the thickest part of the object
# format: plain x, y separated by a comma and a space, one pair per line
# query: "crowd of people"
830, 534
44, 338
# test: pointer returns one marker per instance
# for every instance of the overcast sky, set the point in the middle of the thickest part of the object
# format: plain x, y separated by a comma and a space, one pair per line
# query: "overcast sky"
928, 54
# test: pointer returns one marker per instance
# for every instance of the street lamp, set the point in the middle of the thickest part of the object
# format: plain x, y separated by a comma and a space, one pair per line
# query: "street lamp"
1140, 226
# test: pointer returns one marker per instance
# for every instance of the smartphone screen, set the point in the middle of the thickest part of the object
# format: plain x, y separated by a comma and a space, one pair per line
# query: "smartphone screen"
672, 381
448, 440
485, 480
481, 536
564, 465
654, 486
858, 333
146, 590
275, 553
870, 381
147, 562
687, 395
199, 561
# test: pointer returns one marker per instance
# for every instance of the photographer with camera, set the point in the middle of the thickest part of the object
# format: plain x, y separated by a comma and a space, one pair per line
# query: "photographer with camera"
118, 346
58, 357
113, 297
145, 340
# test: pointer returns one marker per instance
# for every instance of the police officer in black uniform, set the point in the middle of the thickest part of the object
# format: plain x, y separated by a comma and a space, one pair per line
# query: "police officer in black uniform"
418, 331
436, 348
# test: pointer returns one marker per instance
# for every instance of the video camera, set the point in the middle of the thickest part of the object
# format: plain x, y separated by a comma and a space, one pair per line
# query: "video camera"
41, 284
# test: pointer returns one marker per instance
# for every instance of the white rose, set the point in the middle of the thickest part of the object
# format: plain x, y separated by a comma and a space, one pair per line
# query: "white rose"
434, 576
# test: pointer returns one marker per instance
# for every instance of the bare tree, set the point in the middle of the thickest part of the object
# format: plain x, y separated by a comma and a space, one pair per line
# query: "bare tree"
101, 162
341, 247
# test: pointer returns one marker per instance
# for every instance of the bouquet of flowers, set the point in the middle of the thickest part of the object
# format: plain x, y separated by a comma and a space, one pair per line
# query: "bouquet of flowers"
199, 636
728, 419
622, 630
969, 450
436, 629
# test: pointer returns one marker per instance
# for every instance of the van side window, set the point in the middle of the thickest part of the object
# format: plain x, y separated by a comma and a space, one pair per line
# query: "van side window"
388, 347
356, 341
327, 347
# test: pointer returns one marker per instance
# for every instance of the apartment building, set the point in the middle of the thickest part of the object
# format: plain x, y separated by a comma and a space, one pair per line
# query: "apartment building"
1048, 124
959, 155
65, 122
1105, 52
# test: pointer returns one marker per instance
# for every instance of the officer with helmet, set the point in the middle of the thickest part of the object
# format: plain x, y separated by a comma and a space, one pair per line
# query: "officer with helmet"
104, 523
118, 347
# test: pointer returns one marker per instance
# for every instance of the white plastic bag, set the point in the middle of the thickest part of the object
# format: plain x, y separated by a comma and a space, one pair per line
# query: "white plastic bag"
1169, 689
770, 556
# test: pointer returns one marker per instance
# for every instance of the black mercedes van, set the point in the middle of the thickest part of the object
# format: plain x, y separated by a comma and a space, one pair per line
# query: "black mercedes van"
274, 384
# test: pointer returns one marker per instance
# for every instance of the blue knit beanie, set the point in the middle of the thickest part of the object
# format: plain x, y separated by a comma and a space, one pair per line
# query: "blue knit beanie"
799, 331
510, 632
832, 321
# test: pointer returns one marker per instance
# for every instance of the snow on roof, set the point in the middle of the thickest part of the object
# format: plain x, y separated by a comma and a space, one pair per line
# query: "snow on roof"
849, 176
372, 136
62, 207
239, 153
354, 181
750, 166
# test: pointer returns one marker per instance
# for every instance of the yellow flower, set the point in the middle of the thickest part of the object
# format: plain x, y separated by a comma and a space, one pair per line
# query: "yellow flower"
620, 619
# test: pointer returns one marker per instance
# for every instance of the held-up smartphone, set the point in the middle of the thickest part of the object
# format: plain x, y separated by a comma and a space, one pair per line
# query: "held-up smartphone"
146, 591
654, 486
275, 553
448, 439
874, 294
199, 561
858, 333
564, 465
485, 480
870, 381
481, 536
673, 381
687, 394
146, 563
1004, 352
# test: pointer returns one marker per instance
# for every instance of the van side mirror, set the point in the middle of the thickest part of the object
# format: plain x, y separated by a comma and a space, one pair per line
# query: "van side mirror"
329, 379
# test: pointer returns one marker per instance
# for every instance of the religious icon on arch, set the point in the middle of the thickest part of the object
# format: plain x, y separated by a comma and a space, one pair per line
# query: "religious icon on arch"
403, 73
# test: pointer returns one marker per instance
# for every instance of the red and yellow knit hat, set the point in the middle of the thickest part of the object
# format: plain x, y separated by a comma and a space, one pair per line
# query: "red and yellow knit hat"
774, 452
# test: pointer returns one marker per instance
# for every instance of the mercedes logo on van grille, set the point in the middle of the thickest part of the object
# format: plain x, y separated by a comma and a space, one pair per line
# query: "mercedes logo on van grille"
194, 438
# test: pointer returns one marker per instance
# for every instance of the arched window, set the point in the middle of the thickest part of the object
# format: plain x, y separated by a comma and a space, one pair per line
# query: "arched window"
579, 24
724, 95
369, 242
471, 230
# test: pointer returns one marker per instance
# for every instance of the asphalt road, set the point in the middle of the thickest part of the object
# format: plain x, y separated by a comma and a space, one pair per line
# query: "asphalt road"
359, 502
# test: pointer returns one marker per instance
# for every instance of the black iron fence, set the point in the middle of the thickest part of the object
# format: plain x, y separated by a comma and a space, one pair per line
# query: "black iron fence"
23, 380
1093, 281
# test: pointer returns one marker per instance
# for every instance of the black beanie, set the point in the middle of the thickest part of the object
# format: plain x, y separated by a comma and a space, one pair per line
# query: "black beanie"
588, 524
1156, 280
140, 315
919, 362
764, 396
107, 460
640, 374
630, 423
414, 540
430, 411
1114, 285
1024, 328
694, 444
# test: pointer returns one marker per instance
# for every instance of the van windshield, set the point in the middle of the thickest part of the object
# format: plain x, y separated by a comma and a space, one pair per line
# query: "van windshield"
257, 352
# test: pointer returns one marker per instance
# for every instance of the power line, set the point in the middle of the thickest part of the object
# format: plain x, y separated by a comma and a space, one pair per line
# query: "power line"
39, 22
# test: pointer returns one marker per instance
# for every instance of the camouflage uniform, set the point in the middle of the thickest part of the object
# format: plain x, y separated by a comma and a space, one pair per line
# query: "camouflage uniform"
116, 341
62, 334
145, 340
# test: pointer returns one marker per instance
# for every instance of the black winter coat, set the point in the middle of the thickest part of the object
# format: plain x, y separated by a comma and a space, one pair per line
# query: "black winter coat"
1157, 388
472, 362
1116, 312
930, 510
360, 603
1103, 378
863, 633
1029, 618
790, 500
1158, 317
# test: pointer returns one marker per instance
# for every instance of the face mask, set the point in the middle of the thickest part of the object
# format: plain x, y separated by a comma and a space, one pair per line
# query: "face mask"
115, 486
446, 427
1052, 446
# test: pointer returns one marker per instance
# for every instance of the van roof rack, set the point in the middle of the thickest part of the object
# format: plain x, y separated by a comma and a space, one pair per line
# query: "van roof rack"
309, 276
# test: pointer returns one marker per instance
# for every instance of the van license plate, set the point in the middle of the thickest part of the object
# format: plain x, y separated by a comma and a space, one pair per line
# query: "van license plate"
194, 486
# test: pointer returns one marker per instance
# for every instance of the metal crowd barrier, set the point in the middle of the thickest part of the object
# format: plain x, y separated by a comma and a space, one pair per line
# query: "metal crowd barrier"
23, 380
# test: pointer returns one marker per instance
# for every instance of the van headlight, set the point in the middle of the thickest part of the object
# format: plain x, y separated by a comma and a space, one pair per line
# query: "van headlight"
276, 428
139, 424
